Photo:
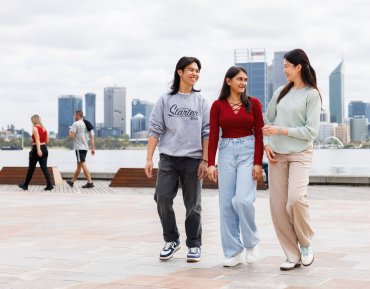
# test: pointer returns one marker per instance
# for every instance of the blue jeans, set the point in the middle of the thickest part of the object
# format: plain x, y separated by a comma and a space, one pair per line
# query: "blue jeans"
237, 194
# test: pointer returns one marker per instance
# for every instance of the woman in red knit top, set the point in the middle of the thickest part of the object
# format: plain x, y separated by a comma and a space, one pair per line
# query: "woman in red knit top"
239, 164
38, 153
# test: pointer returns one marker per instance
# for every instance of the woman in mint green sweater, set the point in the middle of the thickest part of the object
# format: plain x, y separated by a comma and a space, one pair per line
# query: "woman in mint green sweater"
292, 122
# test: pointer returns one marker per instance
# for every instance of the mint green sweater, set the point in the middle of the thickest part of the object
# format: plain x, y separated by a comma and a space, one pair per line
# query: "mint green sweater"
299, 111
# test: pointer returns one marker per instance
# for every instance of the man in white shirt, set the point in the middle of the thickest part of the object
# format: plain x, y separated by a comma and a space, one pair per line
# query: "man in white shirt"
81, 135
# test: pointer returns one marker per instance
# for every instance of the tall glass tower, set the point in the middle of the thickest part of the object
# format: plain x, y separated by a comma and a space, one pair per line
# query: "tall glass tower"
275, 74
115, 108
336, 94
279, 78
67, 105
254, 62
356, 108
90, 107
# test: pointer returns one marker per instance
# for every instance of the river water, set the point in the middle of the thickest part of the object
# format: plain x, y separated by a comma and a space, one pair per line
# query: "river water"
325, 161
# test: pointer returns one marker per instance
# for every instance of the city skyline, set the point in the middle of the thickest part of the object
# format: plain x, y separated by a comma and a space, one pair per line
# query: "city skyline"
49, 49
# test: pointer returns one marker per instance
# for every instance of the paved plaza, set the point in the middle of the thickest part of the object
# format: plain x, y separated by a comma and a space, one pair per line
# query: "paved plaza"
110, 238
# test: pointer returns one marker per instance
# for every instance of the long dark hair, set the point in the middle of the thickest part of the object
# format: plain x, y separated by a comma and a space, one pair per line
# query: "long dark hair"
225, 90
181, 64
308, 74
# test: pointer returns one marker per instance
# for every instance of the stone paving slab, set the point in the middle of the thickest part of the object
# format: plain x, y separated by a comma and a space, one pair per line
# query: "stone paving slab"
71, 238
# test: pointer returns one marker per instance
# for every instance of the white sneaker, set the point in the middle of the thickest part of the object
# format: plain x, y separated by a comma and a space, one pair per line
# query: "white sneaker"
252, 254
233, 261
306, 255
287, 265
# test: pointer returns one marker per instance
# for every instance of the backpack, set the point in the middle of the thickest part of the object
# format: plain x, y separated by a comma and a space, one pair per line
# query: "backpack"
89, 125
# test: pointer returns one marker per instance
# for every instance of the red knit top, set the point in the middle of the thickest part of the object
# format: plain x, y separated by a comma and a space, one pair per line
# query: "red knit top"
235, 126
42, 133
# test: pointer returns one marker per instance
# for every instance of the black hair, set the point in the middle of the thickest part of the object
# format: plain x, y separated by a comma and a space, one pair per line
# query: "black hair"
225, 90
181, 64
308, 74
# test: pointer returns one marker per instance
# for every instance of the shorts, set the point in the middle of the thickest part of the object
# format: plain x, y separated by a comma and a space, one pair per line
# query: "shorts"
81, 156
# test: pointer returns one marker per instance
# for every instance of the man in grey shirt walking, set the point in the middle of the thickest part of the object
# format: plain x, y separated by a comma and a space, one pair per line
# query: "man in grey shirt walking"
81, 135
180, 124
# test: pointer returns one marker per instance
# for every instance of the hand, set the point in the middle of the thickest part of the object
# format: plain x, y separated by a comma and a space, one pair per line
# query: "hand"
149, 169
212, 174
92, 152
268, 130
256, 172
39, 153
270, 154
202, 170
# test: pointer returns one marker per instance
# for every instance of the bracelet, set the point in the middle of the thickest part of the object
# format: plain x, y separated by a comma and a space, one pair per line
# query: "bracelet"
280, 130
205, 160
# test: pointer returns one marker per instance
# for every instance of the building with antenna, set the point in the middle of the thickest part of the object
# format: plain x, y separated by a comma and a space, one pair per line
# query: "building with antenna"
253, 60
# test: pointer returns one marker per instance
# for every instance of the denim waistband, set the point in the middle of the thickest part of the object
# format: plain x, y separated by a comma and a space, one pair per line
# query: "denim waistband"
239, 139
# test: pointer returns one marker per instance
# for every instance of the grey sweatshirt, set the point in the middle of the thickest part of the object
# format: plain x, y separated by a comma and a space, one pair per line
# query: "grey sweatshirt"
180, 122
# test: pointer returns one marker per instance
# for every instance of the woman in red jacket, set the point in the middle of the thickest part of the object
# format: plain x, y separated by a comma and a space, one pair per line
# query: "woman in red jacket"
239, 164
38, 153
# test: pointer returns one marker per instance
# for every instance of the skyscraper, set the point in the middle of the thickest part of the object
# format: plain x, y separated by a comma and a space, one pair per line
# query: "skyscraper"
90, 107
336, 94
278, 75
270, 85
137, 125
143, 107
275, 74
254, 62
324, 116
356, 108
358, 128
367, 112
115, 108
67, 105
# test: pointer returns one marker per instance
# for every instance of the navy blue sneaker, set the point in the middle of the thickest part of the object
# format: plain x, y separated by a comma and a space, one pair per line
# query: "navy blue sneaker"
193, 255
169, 249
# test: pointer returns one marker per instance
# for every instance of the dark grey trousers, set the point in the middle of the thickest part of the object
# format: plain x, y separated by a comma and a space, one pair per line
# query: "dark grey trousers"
170, 171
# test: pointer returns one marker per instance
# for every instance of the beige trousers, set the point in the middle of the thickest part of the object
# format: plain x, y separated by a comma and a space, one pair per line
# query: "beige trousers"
288, 181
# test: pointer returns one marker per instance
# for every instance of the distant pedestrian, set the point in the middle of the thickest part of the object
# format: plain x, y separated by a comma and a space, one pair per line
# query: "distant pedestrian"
38, 154
240, 153
292, 118
180, 123
81, 132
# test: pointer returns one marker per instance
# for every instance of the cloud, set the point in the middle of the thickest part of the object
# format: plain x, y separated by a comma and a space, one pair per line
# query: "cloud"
50, 48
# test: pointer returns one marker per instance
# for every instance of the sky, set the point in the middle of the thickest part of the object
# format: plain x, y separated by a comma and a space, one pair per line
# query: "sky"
50, 48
